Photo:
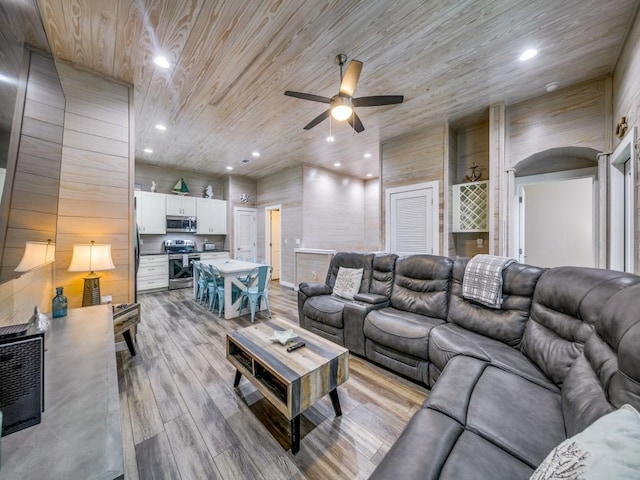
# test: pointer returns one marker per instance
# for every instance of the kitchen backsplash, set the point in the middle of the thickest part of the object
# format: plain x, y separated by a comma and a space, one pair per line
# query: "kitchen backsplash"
150, 244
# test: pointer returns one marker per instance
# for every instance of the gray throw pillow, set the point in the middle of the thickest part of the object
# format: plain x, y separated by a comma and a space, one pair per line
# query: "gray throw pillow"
348, 282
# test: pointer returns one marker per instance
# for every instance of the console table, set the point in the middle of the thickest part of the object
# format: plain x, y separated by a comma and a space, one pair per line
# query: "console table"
80, 434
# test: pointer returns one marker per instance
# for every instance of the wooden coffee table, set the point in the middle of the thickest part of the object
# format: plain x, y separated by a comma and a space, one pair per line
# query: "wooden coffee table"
291, 381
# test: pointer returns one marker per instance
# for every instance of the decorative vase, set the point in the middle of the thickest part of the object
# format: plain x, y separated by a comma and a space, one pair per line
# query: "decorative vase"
59, 304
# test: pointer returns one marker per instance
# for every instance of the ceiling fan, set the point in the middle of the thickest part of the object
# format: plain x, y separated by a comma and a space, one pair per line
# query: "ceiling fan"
342, 105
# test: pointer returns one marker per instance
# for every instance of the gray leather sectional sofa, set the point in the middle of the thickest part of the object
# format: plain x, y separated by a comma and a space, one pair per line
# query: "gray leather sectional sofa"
507, 385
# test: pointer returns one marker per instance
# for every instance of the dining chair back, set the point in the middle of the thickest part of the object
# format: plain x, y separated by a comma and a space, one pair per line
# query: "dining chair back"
256, 291
215, 287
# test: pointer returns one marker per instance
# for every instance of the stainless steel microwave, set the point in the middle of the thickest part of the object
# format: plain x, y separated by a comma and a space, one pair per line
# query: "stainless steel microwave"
181, 224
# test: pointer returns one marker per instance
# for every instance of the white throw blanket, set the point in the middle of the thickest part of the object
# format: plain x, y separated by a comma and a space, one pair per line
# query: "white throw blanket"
482, 281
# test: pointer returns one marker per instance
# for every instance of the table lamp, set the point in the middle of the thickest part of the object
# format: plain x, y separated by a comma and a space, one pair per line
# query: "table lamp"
93, 258
36, 254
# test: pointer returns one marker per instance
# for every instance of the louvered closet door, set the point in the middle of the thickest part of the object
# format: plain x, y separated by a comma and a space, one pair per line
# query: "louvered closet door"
412, 217
245, 233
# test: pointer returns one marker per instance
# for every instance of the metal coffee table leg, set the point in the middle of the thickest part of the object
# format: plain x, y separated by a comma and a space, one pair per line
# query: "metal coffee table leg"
333, 394
236, 382
295, 434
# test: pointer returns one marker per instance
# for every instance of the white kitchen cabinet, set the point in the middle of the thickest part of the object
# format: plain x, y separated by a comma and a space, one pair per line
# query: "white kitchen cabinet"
212, 216
153, 272
213, 255
151, 212
471, 207
181, 205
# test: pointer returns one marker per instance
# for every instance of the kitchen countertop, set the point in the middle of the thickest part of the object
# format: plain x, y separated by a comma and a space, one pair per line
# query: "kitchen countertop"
196, 251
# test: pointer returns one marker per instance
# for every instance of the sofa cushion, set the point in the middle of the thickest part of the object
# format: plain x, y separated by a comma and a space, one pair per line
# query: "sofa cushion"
325, 309
384, 266
566, 305
435, 447
449, 340
348, 282
506, 324
521, 417
421, 285
401, 331
609, 449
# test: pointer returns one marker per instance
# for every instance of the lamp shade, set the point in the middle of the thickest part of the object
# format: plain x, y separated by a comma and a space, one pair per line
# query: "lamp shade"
36, 254
91, 257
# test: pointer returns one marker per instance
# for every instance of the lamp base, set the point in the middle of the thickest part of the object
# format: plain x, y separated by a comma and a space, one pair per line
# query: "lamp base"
91, 292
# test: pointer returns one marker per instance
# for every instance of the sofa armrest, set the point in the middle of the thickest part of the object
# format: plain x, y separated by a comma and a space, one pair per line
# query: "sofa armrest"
371, 298
353, 318
314, 289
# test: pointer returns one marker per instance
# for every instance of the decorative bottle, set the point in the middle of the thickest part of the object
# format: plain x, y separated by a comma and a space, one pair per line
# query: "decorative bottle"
59, 304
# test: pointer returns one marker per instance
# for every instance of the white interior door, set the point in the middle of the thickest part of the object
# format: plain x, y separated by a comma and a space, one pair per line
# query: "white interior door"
245, 235
274, 242
412, 219
558, 222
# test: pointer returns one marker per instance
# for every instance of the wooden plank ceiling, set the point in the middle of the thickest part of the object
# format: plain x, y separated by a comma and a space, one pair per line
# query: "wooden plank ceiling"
231, 61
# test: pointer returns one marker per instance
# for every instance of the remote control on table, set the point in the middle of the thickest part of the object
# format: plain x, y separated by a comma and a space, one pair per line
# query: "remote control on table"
295, 346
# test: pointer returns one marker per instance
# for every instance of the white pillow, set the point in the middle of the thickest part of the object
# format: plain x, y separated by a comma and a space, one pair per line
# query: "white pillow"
608, 449
348, 282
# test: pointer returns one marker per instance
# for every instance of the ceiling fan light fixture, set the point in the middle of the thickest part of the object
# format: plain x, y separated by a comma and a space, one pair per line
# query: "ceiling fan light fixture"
341, 107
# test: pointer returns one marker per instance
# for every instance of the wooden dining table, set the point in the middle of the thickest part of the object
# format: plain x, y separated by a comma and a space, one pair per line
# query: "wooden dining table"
230, 270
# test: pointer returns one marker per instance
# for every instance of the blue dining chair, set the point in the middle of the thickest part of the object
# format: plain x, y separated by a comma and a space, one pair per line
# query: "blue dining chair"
203, 281
216, 289
196, 275
254, 293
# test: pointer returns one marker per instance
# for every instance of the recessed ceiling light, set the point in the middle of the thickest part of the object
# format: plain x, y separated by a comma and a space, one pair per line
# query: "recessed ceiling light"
161, 127
367, 155
528, 54
229, 167
330, 138
161, 62
255, 154
337, 164
550, 87
369, 174
147, 150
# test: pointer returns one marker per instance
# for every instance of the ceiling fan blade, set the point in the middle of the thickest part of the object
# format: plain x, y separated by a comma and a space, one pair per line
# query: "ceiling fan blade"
317, 120
355, 122
351, 76
378, 100
308, 96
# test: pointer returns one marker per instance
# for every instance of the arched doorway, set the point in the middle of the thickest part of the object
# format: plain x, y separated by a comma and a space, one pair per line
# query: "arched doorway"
556, 208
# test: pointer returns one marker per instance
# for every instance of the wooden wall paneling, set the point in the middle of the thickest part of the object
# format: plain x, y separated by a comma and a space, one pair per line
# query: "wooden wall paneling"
33, 183
413, 159
570, 116
96, 173
166, 178
499, 218
372, 220
333, 204
451, 174
285, 189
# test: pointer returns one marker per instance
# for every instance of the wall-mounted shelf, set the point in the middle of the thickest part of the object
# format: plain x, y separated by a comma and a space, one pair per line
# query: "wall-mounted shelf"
471, 207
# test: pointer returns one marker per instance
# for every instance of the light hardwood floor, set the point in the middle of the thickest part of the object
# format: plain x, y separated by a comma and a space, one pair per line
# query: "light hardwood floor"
182, 418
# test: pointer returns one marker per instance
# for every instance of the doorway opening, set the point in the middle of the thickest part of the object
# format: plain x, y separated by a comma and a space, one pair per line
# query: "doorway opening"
272, 241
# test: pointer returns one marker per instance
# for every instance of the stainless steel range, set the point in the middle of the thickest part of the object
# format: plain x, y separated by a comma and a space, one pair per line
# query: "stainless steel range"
181, 254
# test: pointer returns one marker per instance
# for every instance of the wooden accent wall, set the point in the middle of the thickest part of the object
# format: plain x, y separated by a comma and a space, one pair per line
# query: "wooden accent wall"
411, 159
283, 188
31, 190
372, 225
569, 117
96, 182
626, 98
166, 178
333, 211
